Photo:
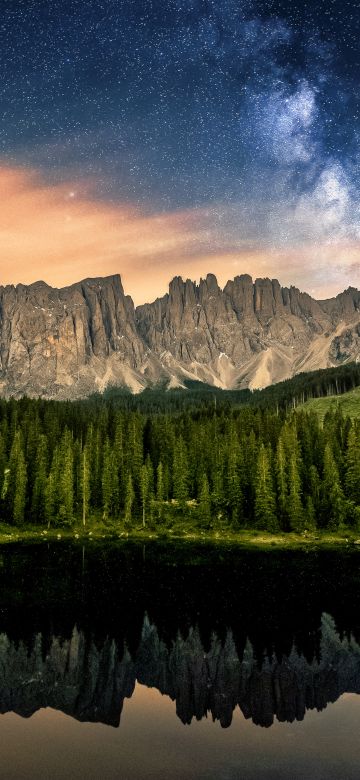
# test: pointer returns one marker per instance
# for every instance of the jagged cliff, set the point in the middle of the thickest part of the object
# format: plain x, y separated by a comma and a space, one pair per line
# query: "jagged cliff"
90, 682
70, 342
248, 334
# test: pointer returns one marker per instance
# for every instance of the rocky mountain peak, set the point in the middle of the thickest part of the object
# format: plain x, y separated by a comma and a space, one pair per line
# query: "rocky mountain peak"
72, 341
50, 338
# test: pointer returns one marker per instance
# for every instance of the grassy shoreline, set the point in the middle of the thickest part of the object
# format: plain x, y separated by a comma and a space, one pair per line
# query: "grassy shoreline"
243, 538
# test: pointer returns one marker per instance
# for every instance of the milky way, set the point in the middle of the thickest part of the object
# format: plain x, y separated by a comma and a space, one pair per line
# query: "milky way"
243, 113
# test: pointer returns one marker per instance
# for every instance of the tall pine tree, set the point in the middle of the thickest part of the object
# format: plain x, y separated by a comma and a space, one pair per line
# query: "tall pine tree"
265, 506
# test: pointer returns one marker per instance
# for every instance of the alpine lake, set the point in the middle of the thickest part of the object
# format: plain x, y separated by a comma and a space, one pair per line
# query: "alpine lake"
178, 660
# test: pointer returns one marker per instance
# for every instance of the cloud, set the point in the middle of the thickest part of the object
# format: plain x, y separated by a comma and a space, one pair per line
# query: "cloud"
62, 233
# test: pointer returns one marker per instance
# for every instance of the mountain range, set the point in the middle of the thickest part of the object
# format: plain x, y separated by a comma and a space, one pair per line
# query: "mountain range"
70, 342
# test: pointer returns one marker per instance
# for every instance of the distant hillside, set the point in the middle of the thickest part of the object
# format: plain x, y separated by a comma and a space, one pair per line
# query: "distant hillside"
285, 395
349, 403
310, 385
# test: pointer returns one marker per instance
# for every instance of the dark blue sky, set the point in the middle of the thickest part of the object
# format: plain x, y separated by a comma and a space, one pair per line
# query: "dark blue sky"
247, 109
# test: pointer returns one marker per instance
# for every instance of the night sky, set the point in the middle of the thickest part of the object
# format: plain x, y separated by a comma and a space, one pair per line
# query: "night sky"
180, 136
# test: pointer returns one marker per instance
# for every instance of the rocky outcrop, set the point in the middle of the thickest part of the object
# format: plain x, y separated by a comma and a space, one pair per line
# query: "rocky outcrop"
70, 342
248, 334
344, 346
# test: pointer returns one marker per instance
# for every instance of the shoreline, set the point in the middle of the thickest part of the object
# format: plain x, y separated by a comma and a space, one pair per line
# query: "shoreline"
242, 539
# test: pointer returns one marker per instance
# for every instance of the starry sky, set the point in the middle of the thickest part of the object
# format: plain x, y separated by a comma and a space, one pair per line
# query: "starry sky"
160, 137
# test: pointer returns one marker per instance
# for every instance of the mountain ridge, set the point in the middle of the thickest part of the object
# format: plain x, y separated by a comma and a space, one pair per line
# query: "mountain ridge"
69, 342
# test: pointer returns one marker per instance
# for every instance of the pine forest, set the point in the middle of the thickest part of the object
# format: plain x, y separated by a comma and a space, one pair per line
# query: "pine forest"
208, 466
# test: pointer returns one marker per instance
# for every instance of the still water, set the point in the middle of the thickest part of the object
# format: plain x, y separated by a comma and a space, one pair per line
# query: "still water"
125, 661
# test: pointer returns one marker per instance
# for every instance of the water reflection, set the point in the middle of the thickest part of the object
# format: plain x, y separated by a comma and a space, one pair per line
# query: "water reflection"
90, 681
216, 630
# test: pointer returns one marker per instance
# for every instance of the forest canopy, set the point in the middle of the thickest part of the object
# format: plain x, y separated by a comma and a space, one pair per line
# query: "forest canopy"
212, 465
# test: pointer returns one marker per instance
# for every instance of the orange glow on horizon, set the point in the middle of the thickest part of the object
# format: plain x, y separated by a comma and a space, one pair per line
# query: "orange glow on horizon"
61, 233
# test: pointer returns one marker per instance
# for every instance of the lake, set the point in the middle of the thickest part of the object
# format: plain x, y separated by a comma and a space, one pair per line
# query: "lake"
167, 660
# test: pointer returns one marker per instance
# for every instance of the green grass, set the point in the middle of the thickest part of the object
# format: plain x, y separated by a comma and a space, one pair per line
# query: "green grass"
243, 538
349, 403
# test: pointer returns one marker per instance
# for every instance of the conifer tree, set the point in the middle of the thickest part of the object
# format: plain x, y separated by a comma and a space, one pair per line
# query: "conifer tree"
145, 490
50, 499
290, 439
281, 470
52, 492
20, 490
16, 470
166, 481
217, 483
250, 447
160, 489
352, 464
129, 500
333, 504
134, 446
40, 480
180, 472
3, 460
310, 514
96, 454
110, 482
66, 478
85, 483
314, 488
233, 486
265, 507
59, 491
119, 443
160, 482
295, 508
204, 503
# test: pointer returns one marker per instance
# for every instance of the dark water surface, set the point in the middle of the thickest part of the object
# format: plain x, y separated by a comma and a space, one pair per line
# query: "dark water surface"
165, 661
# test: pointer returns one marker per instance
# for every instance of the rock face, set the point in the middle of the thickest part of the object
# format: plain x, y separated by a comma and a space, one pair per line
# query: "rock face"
80, 339
70, 341
248, 334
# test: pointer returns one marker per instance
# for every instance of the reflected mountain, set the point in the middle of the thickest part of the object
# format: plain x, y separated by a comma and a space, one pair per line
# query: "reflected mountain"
90, 680
212, 627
